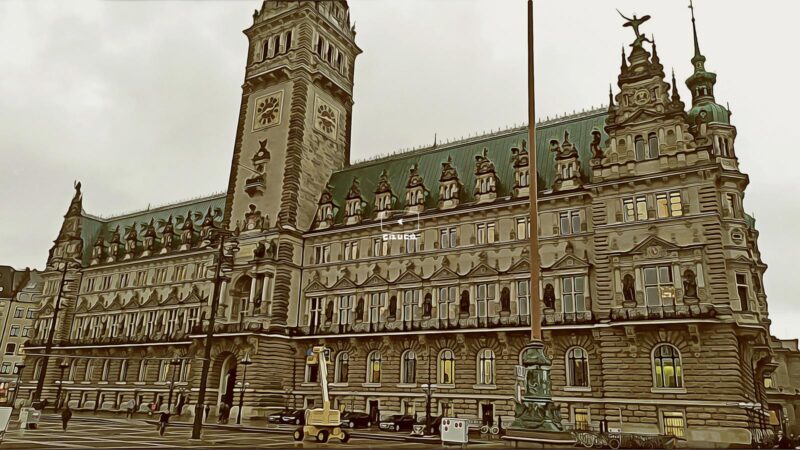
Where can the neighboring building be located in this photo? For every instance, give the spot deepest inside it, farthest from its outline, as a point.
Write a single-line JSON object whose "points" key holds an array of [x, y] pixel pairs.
{"points": [[783, 386], [19, 298], [654, 307]]}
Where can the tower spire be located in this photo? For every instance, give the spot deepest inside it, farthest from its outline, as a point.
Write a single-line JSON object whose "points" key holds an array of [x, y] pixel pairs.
{"points": [[698, 57]]}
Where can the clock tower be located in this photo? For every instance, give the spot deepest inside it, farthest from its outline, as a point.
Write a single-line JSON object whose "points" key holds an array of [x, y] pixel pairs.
{"points": [[295, 114]]}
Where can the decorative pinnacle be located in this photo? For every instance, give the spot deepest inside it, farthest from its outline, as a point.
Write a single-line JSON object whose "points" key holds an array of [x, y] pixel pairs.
{"points": [[610, 96], [697, 55], [624, 62]]}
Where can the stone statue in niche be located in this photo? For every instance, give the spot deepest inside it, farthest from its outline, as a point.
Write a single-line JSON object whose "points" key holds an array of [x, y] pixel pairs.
{"points": [[393, 307], [628, 288], [329, 312], [463, 303], [505, 300], [259, 251], [427, 305], [549, 296], [597, 151], [272, 249], [360, 310], [689, 284], [253, 219]]}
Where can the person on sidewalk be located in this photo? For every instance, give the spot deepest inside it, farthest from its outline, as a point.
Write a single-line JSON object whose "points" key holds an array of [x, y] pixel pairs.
{"points": [[207, 410], [66, 414], [163, 421], [130, 409]]}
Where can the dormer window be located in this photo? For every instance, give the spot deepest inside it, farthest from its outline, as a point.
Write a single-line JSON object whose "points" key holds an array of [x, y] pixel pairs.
{"points": [[383, 196], [449, 186], [523, 178], [485, 178], [415, 191]]}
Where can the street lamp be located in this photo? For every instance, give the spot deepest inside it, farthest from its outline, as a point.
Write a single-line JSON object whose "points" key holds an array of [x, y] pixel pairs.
{"points": [[245, 362], [16, 386], [224, 250], [62, 367], [174, 362], [64, 265], [428, 389]]}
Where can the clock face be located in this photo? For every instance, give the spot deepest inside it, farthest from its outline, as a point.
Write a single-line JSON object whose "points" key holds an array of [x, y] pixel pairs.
{"points": [[326, 118], [267, 110], [641, 97]]}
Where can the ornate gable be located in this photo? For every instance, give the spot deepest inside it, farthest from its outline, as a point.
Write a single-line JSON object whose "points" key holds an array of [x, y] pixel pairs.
{"points": [[374, 280], [482, 270], [443, 273], [98, 306], [408, 277], [653, 246], [82, 308], [344, 283], [171, 299], [521, 266], [569, 261], [115, 305], [194, 296], [316, 286], [152, 300]]}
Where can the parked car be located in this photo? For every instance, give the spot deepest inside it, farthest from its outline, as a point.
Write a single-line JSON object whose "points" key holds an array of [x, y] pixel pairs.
{"points": [[436, 423], [397, 422], [294, 417], [355, 419], [277, 417]]}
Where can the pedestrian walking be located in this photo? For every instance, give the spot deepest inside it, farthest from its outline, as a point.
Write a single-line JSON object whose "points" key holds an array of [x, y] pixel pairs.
{"points": [[130, 409], [207, 410], [179, 407], [163, 421], [66, 414]]}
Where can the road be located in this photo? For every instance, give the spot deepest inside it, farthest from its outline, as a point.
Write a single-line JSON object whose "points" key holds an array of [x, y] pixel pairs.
{"points": [[120, 434]]}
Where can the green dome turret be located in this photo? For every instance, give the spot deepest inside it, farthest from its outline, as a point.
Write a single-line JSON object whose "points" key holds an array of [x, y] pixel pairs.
{"points": [[701, 85]]}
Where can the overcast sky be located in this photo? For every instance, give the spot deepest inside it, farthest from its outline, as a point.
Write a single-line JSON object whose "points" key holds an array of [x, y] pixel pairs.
{"points": [[139, 100]]}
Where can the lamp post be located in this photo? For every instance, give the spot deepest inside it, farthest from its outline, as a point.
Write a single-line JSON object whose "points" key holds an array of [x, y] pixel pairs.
{"points": [[62, 367], [16, 386], [174, 362], [51, 333], [245, 362], [428, 389], [232, 248]]}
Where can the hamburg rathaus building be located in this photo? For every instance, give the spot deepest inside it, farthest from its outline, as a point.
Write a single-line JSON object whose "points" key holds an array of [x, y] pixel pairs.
{"points": [[654, 311]]}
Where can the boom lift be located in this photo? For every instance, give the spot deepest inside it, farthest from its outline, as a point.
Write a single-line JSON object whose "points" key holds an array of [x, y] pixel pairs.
{"points": [[322, 423]]}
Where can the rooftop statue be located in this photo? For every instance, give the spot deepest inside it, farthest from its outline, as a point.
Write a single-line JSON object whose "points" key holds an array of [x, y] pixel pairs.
{"points": [[635, 23]]}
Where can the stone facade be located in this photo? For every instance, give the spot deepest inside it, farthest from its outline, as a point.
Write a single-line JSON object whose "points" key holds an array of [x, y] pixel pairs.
{"points": [[19, 296], [414, 268]]}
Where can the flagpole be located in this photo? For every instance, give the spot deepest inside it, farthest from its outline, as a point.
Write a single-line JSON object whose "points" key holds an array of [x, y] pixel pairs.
{"points": [[533, 189]]}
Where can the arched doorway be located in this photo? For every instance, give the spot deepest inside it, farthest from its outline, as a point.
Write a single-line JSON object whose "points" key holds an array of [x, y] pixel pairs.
{"points": [[227, 380]]}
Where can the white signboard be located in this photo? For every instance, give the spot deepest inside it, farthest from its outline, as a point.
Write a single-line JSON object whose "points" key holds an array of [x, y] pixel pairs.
{"points": [[5, 416], [454, 430]]}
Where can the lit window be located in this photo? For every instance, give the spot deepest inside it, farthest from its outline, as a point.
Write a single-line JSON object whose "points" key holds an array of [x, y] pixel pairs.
{"points": [[577, 367], [668, 204], [769, 383], [408, 370], [658, 287], [581, 418], [447, 367], [674, 423], [486, 367], [374, 367], [667, 367]]}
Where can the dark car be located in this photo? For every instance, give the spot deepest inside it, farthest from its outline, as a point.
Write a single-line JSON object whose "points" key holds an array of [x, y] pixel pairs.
{"points": [[355, 419], [436, 423], [294, 417], [277, 417], [397, 422]]}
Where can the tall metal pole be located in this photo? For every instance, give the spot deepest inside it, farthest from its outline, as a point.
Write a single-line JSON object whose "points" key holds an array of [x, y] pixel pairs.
{"points": [[50, 335], [201, 395], [533, 189], [241, 395]]}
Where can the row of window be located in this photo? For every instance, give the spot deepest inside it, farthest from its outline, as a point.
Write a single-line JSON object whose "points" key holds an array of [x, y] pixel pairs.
{"points": [[667, 204], [168, 370], [19, 313], [15, 331], [667, 369], [673, 423], [327, 51], [139, 278], [276, 45], [485, 233], [130, 324]]}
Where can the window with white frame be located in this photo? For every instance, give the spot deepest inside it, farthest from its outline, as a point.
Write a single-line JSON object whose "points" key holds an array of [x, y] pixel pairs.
{"points": [[448, 238], [180, 273], [484, 295], [408, 369], [446, 367], [569, 222], [634, 208], [346, 309], [486, 362], [342, 367], [322, 254], [89, 370], [315, 311], [523, 297], [667, 368], [142, 370], [410, 301], [669, 204], [741, 290], [581, 418], [376, 302], [124, 279], [485, 233], [413, 245], [573, 296], [350, 250], [160, 275], [123, 371], [523, 228], [374, 367], [447, 297], [673, 423], [577, 367], [106, 369], [658, 287]]}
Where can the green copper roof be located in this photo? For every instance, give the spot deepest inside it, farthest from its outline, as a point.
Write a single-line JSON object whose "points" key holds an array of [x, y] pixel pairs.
{"points": [[92, 226], [498, 147], [750, 220], [715, 113]]}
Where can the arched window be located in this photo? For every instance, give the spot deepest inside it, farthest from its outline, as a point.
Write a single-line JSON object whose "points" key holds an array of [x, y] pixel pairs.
{"points": [[374, 367], [486, 367], [142, 370], [667, 371], [577, 367], [652, 145], [447, 367], [106, 368], [408, 368], [342, 369], [639, 146], [89, 370], [37, 368], [72, 366], [123, 370]]}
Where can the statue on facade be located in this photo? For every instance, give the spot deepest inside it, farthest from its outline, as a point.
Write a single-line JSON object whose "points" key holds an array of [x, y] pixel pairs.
{"points": [[635, 23], [259, 251], [628, 288], [360, 309], [549, 297], [597, 151], [149, 236], [253, 219], [505, 300], [463, 303], [689, 284], [187, 230], [393, 307], [427, 305], [167, 234], [329, 312], [115, 243]]}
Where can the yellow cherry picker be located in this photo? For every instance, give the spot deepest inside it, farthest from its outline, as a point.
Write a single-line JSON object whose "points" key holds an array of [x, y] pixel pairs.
{"points": [[322, 423]]}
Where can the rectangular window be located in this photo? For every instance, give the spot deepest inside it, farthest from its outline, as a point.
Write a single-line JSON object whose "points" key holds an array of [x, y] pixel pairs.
{"points": [[105, 283], [674, 423], [732, 205], [377, 247], [413, 245], [769, 383], [350, 251], [18, 313], [410, 301], [741, 290], [572, 290], [14, 330], [314, 311], [322, 254], [668, 204], [376, 302], [6, 367], [30, 314], [485, 233], [124, 279], [523, 228], [570, 222], [447, 297], [523, 297], [346, 309], [180, 273], [581, 416], [658, 287], [11, 348], [448, 238], [484, 294], [199, 271], [26, 332], [445, 408]]}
